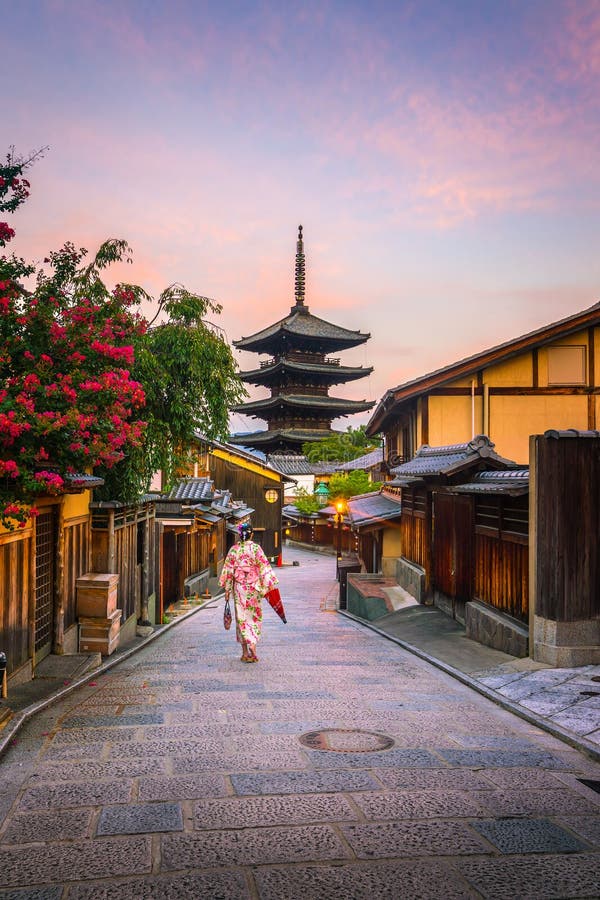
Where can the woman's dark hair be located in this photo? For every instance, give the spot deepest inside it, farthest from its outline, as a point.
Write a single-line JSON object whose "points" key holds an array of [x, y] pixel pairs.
{"points": [[245, 531]]}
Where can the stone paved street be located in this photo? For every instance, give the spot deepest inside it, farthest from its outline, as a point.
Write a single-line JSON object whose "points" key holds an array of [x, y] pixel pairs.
{"points": [[180, 773]]}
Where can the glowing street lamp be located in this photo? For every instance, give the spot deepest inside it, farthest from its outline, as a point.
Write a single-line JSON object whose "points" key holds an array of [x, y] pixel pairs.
{"points": [[340, 506]]}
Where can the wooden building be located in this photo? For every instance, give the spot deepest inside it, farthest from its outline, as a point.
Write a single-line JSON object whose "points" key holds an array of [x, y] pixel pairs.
{"points": [[482, 531], [549, 378], [192, 523], [249, 479], [298, 374], [39, 567], [464, 538]]}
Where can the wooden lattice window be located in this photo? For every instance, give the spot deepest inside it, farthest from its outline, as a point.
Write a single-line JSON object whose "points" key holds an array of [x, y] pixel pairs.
{"points": [[45, 549]]}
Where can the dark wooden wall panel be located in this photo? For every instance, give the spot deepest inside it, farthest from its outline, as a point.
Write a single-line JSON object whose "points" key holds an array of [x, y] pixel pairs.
{"points": [[413, 536], [453, 545], [568, 525], [250, 487], [502, 575]]}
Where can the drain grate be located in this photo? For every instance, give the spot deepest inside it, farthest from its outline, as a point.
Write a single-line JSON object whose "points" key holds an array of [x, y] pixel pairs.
{"points": [[346, 740], [594, 785]]}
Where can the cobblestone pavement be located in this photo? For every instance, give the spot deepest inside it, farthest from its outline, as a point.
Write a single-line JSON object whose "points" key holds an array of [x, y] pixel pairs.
{"points": [[180, 773]]}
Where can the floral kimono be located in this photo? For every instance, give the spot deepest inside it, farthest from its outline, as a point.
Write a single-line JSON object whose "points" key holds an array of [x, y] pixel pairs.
{"points": [[247, 575]]}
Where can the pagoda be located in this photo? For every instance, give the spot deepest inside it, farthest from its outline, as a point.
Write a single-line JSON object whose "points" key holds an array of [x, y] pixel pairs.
{"points": [[298, 374]]}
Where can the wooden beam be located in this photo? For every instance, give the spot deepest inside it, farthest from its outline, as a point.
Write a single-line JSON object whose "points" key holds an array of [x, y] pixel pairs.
{"points": [[425, 419]]}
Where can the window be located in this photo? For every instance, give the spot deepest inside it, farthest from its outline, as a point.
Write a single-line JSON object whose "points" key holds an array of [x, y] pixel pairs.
{"points": [[566, 365]]}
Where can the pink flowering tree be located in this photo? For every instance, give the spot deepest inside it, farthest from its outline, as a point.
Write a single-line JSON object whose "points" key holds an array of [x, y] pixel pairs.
{"points": [[68, 402], [87, 384]]}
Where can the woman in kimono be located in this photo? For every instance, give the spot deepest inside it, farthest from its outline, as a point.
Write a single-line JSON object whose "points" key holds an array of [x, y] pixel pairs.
{"points": [[247, 576]]}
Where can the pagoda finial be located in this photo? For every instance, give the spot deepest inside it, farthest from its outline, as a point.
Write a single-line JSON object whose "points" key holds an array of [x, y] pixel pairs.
{"points": [[300, 271]]}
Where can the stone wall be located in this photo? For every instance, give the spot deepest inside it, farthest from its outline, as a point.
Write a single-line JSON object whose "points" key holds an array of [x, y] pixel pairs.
{"points": [[484, 624]]}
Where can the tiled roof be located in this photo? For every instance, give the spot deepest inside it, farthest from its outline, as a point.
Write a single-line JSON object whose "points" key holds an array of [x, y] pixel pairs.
{"points": [[307, 401], [570, 433], [368, 509], [325, 467], [290, 464], [333, 374], [448, 460], [83, 481], [294, 435], [222, 502], [194, 489], [514, 482], [303, 324], [367, 461]]}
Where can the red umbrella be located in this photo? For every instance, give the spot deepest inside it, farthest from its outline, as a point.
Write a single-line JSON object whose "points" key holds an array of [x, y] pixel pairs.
{"points": [[274, 598]]}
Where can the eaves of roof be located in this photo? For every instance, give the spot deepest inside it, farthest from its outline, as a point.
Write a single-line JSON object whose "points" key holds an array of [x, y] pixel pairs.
{"points": [[306, 401], [464, 367], [197, 489], [298, 435], [244, 455], [511, 482], [304, 325], [443, 462], [290, 464], [365, 510], [334, 374], [366, 461], [77, 482]]}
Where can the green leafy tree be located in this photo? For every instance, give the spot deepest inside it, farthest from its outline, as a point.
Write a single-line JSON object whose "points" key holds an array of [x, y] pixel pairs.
{"points": [[356, 482], [306, 503], [190, 380], [341, 446]]}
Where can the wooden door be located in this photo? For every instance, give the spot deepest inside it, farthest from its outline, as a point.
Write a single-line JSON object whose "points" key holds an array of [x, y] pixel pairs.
{"points": [[169, 569], [453, 545], [45, 583]]}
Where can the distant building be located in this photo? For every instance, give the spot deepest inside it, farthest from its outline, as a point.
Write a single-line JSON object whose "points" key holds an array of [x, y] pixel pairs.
{"points": [[299, 375]]}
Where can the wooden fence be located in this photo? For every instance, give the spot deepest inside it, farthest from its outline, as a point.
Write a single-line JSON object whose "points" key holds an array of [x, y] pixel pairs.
{"points": [[123, 543], [16, 598]]}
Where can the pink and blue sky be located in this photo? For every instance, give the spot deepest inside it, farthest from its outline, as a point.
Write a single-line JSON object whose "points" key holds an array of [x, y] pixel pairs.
{"points": [[443, 157]]}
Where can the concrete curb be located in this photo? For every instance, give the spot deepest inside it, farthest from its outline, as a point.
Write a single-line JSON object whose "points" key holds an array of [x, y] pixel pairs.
{"points": [[562, 734], [15, 724]]}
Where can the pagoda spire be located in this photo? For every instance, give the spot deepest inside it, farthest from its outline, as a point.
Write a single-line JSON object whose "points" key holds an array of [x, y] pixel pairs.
{"points": [[300, 275]]}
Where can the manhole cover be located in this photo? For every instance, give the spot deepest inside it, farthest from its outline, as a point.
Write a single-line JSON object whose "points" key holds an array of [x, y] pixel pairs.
{"points": [[346, 740]]}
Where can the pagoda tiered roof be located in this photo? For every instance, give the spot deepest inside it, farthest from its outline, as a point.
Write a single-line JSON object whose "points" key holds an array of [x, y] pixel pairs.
{"points": [[326, 371], [281, 438], [302, 330], [320, 403]]}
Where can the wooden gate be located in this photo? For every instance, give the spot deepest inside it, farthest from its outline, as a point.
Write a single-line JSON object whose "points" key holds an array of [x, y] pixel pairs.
{"points": [[453, 546], [45, 583]]}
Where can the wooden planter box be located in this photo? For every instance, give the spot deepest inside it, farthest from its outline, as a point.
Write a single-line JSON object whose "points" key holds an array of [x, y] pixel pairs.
{"points": [[96, 594], [99, 635]]}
